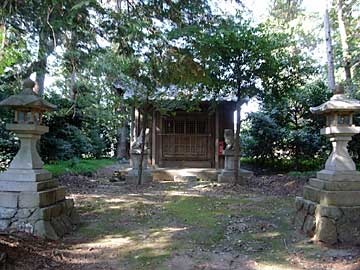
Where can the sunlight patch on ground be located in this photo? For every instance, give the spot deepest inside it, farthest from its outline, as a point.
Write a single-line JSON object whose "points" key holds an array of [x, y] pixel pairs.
{"points": [[87, 196], [168, 230], [181, 193], [261, 266], [268, 235], [118, 200], [109, 241]]}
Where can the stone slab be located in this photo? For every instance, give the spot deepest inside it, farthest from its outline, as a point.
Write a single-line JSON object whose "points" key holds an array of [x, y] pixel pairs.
{"points": [[336, 198], [9, 199], [37, 199], [326, 231], [133, 180], [45, 229], [35, 175], [228, 176], [24, 213], [168, 174], [7, 213], [185, 178], [28, 128], [335, 185], [338, 175], [332, 212], [4, 224], [135, 172], [60, 194], [19, 186], [47, 213]]}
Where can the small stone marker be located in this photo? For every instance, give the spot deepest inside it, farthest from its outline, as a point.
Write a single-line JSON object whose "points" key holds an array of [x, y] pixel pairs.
{"points": [[30, 200], [330, 206]]}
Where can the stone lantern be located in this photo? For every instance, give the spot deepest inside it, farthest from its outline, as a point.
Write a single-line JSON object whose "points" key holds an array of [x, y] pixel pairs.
{"points": [[30, 200], [27, 125], [330, 206]]}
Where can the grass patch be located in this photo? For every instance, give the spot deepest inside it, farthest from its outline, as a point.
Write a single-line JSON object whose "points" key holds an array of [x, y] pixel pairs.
{"points": [[197, 211], [149, 258], [207, 216], [78, 166]]}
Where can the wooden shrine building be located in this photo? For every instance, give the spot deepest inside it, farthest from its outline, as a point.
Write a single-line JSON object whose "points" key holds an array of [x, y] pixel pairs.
{"points": [[188, 139]]}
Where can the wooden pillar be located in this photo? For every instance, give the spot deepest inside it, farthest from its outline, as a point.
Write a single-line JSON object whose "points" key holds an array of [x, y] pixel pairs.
{"points": [[153, 140], [217, 138]]}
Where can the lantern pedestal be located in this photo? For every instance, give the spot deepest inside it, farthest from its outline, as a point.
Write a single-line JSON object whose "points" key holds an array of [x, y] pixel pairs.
{"points": [[330, 207], [227, 174], [30, 200]]}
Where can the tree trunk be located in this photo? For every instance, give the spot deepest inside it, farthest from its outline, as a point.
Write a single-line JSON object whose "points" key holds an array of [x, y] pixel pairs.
{"points": [[3, 36], [40, 76], [42, 59], [237, 143], [122, 134], [74, 90], [330, 56], [144, 125], [344, 44]]}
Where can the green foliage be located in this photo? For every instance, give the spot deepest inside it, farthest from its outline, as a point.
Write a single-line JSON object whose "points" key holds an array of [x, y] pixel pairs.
{"points": [[78, 166], [302, 174], [286, 129], [236, 58], [262, 138], [84, 135], [284, 165], [9, 145]]}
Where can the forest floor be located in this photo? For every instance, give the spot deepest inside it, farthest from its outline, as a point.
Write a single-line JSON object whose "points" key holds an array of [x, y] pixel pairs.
{"points": [[180, 225]]}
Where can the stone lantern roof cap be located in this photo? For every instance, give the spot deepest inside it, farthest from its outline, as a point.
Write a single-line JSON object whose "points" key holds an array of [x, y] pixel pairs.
{"points": [[338, 102], [27, 98]]}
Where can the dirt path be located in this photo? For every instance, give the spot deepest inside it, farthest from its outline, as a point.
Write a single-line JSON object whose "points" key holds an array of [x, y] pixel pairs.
{"points": [[187, 226]]}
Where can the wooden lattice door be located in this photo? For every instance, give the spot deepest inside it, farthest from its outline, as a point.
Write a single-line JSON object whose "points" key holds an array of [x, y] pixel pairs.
{"points": [[185, 138]]}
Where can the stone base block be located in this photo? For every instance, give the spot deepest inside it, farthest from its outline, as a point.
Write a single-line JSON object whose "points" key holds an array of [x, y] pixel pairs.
{"points": [[43, 213], [329, 224], [134, 179], [25, 175], [328, 175], [332, 197], [41, 198], [27, 186], [334, 185], [228, 176], [50, 222]]}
